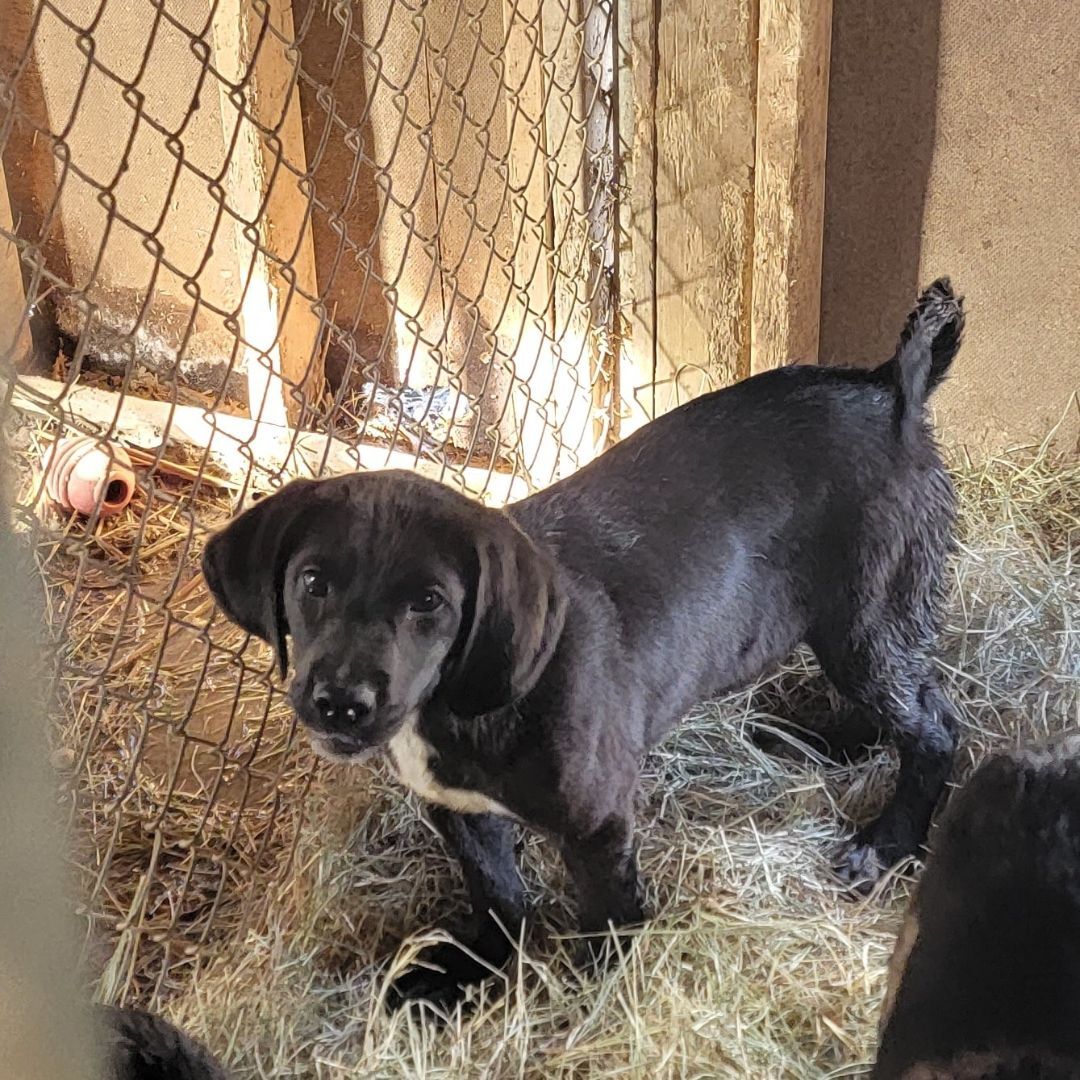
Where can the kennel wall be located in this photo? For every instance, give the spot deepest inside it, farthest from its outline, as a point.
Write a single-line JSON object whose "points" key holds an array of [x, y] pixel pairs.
{"points": [[953, 137]]}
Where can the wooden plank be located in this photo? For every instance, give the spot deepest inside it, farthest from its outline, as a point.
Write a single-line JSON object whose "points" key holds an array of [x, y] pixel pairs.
{"points": [[523, 77], [16, 345], [400, 130], [598, 77], [279, 327], [466, 56], [624, 106], [692, 195], [529, 324], [289, 234], [348, 264], [789, 180], [639, 360], [565, 390], [229, 442]]}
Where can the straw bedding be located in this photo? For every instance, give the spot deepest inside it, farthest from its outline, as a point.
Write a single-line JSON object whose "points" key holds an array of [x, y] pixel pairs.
{"points": [[257, 898]]}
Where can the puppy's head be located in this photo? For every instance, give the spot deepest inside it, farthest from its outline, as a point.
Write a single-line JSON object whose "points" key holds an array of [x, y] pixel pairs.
{"points": [[395, 590]]}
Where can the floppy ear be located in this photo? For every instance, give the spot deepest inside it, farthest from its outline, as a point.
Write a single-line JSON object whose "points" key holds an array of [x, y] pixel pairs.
{"points": [[243, 565], [517, 617]]}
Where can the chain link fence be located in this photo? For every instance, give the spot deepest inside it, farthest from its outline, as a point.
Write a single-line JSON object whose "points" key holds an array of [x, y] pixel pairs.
{"points": [[254, 240]]}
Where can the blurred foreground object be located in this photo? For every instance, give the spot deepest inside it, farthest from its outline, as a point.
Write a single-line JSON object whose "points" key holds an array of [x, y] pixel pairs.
{"points": [[985, 979], [43, 1035]]}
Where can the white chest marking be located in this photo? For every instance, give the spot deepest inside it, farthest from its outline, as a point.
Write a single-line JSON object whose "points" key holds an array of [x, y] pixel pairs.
{"points": [[409, 756]]}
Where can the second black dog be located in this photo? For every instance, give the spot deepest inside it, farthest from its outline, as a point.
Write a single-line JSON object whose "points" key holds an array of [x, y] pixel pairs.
{"points": [[985, 979]]}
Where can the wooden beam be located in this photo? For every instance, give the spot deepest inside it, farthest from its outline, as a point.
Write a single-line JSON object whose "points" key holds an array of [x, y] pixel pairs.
{"points": [[789, 180], [278, 325], [692, 201], [530, 315], [16, 345], [245, 450], [400, 124], [601, 196], [564, 390], [639, 356]]}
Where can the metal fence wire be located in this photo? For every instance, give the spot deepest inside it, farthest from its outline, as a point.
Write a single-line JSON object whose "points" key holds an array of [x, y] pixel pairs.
{"points": [[257, 240]]}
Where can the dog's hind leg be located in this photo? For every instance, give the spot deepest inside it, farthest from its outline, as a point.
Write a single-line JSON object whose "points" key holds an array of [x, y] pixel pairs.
{"points": [[875, 636], [484, 846], [924, 733], [905, 702]]}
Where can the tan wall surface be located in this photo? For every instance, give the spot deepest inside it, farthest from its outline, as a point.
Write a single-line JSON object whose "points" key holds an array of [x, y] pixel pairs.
{"points": [[108, 165], [954, 145], [107, 261]]}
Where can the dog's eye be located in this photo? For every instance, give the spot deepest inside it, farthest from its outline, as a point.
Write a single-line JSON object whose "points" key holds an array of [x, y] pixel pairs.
{"points": [[314, 583], [426, 602]]}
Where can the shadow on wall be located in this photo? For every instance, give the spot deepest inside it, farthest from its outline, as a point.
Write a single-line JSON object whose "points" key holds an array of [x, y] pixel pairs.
{"points": [[882, 104]]}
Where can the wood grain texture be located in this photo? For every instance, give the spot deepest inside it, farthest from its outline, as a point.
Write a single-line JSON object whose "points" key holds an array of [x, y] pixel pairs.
{"points": [[270, 210], [227, 443], [16, 346], [789, 180], [692, 201], [567, 52]]}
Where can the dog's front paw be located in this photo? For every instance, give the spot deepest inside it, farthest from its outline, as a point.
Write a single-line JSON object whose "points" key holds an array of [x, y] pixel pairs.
{"points": [[439, 977]]}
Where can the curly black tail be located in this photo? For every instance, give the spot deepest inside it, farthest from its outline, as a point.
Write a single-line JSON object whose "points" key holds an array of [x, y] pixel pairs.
{"points": [[930, 339]]}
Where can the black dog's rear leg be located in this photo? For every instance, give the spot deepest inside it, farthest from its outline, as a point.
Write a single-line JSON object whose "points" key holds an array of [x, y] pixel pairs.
{"points": [[922, 728], [484, 846], [603, 867]]}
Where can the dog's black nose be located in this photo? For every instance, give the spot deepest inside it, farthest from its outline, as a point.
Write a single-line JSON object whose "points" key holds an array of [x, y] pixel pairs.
{"points": [[342, 705]]}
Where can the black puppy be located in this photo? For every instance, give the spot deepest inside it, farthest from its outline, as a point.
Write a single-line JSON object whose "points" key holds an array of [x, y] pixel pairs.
{"points": [[985, 980], [517, 664]]}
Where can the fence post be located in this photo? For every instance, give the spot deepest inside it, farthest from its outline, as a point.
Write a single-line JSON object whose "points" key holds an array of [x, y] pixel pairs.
{"points": [[277, 323], [16, 345], [789, 180], [692, 201]]}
